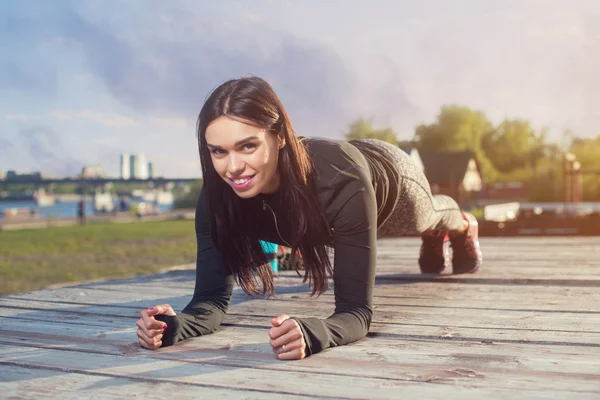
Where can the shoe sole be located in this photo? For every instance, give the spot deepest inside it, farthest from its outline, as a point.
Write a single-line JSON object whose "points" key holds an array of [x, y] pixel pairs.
{"points": [[471, 271], [437, 272]]}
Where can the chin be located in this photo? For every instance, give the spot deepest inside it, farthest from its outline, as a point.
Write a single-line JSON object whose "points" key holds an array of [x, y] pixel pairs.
{"points": [[246, 194]]}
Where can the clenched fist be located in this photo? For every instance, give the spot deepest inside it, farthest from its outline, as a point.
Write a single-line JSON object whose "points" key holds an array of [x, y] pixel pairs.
{"points": [[150, 331], [287, 339]]}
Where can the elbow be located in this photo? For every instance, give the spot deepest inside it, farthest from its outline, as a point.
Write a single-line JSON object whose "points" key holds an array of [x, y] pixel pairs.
{"points": [[365, 316]]}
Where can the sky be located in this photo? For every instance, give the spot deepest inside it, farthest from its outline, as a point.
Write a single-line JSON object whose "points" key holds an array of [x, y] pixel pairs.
{"points": [[83, 81]]}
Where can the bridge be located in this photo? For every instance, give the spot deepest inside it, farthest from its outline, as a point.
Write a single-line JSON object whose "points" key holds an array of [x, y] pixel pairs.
{"points": [[94, 184], [94, 181]]}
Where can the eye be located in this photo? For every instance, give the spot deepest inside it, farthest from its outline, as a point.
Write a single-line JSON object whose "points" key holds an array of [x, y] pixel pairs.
{"points": [[217, 152], [249, 146]]}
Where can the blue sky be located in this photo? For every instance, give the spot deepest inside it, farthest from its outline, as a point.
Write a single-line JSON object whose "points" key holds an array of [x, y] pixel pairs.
{"points": [[83, 81]]}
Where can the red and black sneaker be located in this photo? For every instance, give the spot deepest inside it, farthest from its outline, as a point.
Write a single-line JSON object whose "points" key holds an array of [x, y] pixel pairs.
{"points": [[434, 252], [466, 252]]}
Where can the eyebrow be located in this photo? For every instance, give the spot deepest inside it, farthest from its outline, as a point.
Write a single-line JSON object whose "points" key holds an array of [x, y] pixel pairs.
{"points": [[238, 143]]}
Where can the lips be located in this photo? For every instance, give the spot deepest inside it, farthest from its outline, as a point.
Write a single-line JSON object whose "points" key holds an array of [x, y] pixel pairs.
{"points": [[241, 182]]}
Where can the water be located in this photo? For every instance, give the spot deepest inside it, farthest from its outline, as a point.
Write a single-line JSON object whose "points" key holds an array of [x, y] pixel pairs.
{"points": [[61, 209]]}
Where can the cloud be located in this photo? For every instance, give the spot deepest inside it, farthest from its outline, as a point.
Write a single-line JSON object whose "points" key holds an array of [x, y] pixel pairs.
{"points": [[254, 17], [6, 146], [20, 70], [47, 151], [166, 72], [108, 119], [22, 117]]}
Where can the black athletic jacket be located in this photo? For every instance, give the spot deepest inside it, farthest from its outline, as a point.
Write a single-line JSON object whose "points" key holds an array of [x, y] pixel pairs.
{"points": [[357, 189]]}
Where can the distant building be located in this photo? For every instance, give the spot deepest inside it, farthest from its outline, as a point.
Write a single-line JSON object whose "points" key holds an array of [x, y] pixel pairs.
{"points": [[15, 177], [136, 166], [456, 174], [140, 167], [2, 175], [132, 166], [125, 171], [93, 171]]}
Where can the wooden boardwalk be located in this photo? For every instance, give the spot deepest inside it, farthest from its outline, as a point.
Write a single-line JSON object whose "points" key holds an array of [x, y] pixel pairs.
{"points": [[527, 326]]}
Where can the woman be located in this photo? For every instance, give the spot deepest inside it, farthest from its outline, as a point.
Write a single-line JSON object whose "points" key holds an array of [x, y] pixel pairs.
{"points": [[262, 182]]}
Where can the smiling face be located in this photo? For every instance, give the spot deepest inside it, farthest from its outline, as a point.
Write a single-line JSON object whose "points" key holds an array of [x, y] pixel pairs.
{"points": [[244, 155]]}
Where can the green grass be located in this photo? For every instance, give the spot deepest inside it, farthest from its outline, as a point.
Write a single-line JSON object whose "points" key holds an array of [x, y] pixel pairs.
{"points": [[37, 258]]}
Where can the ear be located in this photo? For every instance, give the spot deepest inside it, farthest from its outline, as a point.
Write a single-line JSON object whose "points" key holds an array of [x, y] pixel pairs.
{"points": [[281, 140]]}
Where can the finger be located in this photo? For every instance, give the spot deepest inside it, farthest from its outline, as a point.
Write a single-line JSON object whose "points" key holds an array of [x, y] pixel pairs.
{"points": [[278, 328], [277, 321], [292, 355], [149, 343], [150, 332], [161, 309], [149, 339], [290, 346], [151, 323], [293, 334], [150, 346], [295, 350]]}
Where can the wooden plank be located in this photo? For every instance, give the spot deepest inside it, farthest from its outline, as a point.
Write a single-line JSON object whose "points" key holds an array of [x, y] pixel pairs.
{"points": [[38, 383], [510, 243], [419, 352], [409, 318], [397, 379], [501, 333], [429, 292], [396, 330]]}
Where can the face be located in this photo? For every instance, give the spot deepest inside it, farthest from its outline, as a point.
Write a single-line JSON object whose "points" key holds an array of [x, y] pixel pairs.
{"points": [[244, 155]]}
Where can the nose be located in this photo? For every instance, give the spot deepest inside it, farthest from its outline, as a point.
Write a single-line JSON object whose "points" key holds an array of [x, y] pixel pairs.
{"points": [[236, 165]]}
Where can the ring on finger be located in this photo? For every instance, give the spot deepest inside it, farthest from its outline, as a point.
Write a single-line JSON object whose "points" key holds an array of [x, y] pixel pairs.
{"points": [[283, 348]]}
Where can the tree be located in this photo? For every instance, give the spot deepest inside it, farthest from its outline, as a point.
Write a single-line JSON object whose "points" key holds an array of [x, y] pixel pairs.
{"points": [[457, 128], [587, 152], [363, 129], [190, 199], [513, 144]]}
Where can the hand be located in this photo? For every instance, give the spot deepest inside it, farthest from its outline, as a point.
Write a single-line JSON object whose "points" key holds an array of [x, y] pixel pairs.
{"points": [[150, 331], [286, 332]]}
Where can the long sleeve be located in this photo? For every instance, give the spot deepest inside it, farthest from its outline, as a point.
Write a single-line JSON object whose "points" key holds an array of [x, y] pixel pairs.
{"points": [[355, 241], [213, 288]]}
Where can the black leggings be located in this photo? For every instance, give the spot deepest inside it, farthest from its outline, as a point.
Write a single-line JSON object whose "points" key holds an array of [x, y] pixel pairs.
{"points": [[417, 209]]}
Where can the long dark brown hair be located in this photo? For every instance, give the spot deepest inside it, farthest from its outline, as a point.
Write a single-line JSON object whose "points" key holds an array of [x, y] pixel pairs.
{"points": [[253, 99]]}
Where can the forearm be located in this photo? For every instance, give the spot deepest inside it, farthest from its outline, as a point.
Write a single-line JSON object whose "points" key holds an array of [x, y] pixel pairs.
{"points": [[339, 329], [188, 324], [202, 316], [355, 238]]}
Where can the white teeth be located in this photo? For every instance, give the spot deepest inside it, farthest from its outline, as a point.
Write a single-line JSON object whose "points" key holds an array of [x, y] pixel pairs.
{"points": [[240, 181]]}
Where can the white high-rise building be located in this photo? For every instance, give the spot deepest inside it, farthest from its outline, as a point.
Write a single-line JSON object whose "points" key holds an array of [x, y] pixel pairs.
{"points": [[125, 166], [140, 167], [136, 166], [132, 166]]}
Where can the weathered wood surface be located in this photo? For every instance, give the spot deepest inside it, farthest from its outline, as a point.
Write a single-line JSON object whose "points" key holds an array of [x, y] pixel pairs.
{"points": [[526, 326]]}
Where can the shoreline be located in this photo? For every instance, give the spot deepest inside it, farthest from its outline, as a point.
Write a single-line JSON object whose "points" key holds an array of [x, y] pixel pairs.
{"points": [[125, 217]]}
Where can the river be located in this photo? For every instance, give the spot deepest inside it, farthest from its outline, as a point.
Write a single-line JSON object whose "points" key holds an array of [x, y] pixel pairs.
{"points": [[59, 209]]}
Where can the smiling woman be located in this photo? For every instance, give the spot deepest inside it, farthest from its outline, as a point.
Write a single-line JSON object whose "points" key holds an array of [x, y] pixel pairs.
{"points": [[264, 183], [245, 155]]}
